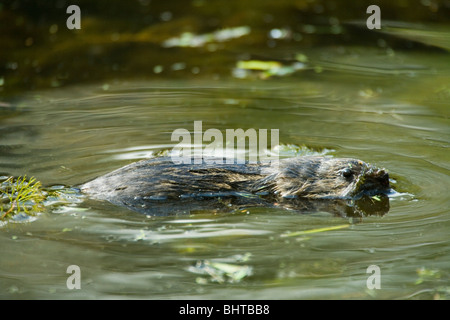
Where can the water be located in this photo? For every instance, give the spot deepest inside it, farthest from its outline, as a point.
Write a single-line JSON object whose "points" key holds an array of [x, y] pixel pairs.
{"points": [[396, 117]]}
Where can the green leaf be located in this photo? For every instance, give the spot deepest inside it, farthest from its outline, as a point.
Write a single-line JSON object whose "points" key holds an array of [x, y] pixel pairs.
{"points": [[258, 65]]}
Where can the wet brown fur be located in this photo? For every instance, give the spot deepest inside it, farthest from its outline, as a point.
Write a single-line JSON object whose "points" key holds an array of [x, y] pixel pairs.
{"points": [[301, 177]]}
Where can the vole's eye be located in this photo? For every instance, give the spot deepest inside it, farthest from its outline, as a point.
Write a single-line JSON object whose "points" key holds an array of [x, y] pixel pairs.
{"points": [[347, 173]]}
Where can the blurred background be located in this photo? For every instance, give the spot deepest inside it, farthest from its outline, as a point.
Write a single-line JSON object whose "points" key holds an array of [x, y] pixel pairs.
{"points": [[151, 39]]}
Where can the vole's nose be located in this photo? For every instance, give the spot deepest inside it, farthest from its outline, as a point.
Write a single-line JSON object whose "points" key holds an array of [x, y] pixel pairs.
{"points": [[383, 178]]}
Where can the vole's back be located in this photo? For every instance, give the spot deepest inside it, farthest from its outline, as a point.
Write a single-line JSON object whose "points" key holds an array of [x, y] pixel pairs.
{"points": [[161, 178], [148, 182]]}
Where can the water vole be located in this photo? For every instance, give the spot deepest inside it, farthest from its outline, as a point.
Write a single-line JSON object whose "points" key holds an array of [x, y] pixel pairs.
{"points": [[159, 179]]}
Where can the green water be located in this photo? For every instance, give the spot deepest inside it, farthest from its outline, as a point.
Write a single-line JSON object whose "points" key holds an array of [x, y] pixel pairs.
{"points": [[125, 254], [386, 107]]}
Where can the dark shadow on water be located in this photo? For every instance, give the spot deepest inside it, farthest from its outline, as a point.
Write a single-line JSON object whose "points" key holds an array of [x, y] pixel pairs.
{"points": [[365, 206]]}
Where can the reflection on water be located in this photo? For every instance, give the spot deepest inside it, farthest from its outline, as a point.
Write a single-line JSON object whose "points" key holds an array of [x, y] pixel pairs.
{"points": [[229, 203]]}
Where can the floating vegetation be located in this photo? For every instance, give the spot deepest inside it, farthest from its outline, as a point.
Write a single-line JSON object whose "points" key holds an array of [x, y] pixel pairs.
{"points": [[265, 69], [426, 274], [20, 195], [259, 65], [22, 198], [300, 233], [220, 272]]}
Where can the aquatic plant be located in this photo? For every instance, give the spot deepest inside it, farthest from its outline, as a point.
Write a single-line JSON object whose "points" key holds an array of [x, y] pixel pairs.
{"points": [[20, 195]]}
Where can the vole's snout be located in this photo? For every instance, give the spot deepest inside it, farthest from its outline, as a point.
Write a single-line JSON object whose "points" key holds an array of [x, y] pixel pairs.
{"points": [[384, 178], [381, 176], [378, 177]]}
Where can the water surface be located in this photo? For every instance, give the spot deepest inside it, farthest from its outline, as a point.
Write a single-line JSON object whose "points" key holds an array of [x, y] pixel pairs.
{"points": [[68, 136]]}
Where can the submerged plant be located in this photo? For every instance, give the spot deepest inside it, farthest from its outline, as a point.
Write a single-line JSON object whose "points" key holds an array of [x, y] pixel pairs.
{"points": [[20, 195]]}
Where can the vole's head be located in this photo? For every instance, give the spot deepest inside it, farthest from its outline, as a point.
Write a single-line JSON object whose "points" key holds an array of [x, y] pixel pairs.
{"points": [[321, 177]]}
